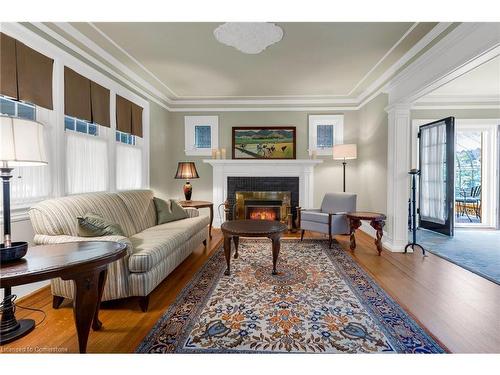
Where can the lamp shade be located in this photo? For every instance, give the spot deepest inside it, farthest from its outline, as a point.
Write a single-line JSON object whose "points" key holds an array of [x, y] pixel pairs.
{"points": [[186, 170], [345, 152], [22, 142]]}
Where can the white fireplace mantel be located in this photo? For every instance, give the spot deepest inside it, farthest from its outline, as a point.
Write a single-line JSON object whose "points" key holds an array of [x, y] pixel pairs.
{"points": [[224, 168]]}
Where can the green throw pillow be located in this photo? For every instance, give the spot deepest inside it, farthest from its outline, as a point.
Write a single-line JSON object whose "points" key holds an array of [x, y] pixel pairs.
{"points": [[167, 211], [92, 225]]}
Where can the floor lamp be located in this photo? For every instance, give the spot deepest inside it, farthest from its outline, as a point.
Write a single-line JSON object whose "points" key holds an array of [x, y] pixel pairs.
{"points": [[21, 144], [345, 152]]}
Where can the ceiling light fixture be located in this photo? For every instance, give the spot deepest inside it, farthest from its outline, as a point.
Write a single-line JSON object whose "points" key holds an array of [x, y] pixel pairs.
{"points": [[248, 37]]}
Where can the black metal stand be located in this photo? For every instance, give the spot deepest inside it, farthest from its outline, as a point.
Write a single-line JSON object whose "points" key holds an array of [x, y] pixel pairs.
{"points": [[343, 166], [10, 328], [413, 244]]}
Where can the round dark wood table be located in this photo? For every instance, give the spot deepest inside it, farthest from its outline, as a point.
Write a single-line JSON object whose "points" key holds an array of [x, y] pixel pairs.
{"points": [[86, 263], [251, 228], [377, 222]]}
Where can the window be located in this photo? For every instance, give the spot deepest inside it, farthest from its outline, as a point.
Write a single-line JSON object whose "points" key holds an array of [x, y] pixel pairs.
{"points": [[80, 126], [14, 108], [86, 156], [324, 132], [201, 134], [128, 167], [28, 184], [126, 138]]}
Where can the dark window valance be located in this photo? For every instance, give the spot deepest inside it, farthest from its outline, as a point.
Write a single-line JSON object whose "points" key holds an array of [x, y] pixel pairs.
{"points": [[85, 99], [77, 95], [128, 116], [27, 74]]}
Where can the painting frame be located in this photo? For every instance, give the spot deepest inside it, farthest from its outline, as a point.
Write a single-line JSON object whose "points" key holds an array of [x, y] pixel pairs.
{"points": [[246, 154]]}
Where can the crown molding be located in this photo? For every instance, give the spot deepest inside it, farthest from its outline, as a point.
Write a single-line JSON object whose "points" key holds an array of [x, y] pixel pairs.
{"points": [[312, 103], [459, 99]]}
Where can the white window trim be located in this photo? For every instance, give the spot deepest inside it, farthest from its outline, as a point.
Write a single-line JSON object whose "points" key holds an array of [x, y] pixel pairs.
{"points": [[314, 120], [190, 122], [57, 140]]}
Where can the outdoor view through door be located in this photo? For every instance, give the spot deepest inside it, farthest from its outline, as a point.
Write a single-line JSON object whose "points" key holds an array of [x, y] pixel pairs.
{"points": [[436, 159], [468, 177]]}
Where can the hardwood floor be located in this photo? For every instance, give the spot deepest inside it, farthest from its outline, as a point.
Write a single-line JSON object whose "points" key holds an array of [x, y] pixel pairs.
{"points": [[459, 308]]}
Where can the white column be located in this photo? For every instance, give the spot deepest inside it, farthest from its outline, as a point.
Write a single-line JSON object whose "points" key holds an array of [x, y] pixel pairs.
{"points": [[398, 165]]}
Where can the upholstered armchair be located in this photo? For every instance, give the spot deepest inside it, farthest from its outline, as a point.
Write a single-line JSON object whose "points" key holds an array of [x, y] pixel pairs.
{"points": [[331, 217]]}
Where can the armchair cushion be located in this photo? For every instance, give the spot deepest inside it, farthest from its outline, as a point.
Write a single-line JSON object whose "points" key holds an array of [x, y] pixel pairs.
{"points": [[316, 216]]}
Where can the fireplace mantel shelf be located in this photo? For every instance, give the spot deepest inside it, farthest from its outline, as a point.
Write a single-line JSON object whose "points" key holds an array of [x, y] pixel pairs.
{"points": [[303, 162]]}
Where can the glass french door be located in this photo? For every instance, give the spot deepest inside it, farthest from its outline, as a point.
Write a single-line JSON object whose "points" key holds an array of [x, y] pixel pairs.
{"points": [[437, 175]]}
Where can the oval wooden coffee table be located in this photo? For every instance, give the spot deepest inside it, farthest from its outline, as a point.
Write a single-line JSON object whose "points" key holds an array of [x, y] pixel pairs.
{"points": [[251, 228], [377, 221], [86, 263]]}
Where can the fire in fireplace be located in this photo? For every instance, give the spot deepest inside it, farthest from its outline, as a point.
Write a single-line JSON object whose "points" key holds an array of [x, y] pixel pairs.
{"points": [[264, 205]]}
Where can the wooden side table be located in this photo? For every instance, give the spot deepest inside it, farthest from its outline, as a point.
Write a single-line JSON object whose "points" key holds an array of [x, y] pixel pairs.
{"points": [[201, 204], [86, 263], [377, 221]]}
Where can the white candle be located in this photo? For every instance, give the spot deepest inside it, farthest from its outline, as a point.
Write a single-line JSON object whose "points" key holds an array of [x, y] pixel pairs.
{"points": [[217, 154], [223, 153], [214, 153]]}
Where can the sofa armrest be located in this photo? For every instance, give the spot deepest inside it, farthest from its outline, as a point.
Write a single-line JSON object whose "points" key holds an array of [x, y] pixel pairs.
{"points": [[43, 239], [192, 212]]}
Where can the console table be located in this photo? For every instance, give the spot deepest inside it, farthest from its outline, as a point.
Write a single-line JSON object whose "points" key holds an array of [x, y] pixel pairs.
{"points": [[377, 221], [86, 263]]}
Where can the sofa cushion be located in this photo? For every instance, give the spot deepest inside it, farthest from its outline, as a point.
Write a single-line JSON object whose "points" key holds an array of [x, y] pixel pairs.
{"points": [[153, 247], [169, 210], [317, 217], [141, 207], [59, 216], [189, 226], [96, 226]]}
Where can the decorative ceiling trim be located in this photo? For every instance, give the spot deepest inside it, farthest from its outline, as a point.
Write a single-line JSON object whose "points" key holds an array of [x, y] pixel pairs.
{"points": [[328, 99], [289, 103], [122, 50], [248, 37]]}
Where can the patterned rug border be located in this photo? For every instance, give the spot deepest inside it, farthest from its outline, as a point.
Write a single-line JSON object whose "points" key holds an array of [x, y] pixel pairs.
{"points": [[217, 262]]}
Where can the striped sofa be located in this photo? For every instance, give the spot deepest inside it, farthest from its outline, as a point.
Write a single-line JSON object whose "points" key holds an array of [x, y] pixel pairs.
{"points": [[153, 251]]}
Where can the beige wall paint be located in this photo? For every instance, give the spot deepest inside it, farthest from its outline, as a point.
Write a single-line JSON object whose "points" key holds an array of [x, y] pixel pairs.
{"points": [[160, 156], [365, 176]]}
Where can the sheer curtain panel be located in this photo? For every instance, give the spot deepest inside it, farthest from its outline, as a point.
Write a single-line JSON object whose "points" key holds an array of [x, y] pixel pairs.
{"points": [[433, 180], [128, 167], [86, 163]]}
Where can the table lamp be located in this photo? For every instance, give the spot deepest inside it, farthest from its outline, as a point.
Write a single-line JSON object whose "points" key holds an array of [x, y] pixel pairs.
{"points": [[186, 170], [21, 144], [345, 152]]}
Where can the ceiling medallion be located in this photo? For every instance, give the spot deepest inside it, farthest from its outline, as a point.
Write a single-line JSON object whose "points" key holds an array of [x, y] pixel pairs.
{"points": [[248, 37]]}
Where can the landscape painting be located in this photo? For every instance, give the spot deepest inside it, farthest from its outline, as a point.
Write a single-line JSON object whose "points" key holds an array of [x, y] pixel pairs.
{"points": [[276, 142]]}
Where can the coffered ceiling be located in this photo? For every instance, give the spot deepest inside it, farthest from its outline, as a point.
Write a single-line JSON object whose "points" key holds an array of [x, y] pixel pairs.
{"points": [[184, 63]]}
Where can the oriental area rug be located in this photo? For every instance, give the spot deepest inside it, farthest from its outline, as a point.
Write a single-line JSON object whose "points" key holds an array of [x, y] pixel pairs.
{"points": [[321, 301]]}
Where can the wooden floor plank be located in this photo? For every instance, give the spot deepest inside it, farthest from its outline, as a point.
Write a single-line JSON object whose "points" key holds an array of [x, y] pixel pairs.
{"points": [[459, 308]]}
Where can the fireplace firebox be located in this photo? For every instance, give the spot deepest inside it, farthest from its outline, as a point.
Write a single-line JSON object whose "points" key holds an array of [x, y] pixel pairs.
{"points": [[264, 205]]}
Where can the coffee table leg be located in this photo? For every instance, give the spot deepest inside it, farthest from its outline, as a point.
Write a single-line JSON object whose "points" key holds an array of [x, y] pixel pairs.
{"points": [[227, 254], [236, 240], [85, 304], [276, 251]]}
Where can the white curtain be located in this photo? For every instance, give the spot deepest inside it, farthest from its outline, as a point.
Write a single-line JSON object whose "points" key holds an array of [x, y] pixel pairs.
{"points": [[29, 184], [128, 167], [433, 174], [86, 163]]}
